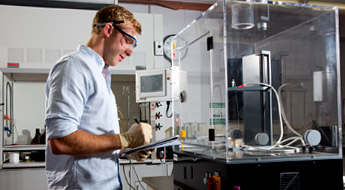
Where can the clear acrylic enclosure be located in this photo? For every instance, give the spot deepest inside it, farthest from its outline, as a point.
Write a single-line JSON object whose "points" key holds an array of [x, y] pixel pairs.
{"points": [[260, 82]]}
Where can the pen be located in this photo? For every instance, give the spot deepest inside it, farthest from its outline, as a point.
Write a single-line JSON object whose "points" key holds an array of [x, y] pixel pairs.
{"points": [[136, 120]]}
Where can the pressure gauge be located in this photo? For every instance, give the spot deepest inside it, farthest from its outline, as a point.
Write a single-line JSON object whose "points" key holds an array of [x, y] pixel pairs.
{"points": [[169, 43], [167, 47]]}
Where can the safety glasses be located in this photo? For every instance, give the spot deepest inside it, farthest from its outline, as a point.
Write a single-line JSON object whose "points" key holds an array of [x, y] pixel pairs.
{"points": [[129, 38]]}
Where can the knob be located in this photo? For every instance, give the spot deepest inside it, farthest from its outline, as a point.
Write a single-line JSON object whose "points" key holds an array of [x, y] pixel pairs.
{"points": [[158, 115], [262, 139], [159, 126], [158, 104], [235, 134], [312, 137]]}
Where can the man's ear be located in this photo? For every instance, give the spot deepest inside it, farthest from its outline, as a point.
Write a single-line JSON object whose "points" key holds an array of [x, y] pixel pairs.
{"points": [[108, 30]]}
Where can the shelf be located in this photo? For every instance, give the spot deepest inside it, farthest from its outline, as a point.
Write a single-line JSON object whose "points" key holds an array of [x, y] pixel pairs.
{"points": [[13, 148], [24, 165], [256, 88], [25, 70], [113, 71]]}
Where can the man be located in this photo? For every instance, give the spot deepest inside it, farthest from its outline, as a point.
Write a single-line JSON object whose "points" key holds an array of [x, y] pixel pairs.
{"points": [[84, 143]]}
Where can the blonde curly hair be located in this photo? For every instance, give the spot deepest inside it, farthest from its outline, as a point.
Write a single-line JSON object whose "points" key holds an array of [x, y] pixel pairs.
{"points": [[113, 13]]}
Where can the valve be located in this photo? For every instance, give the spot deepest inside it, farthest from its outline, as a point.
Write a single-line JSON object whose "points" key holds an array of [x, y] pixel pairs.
{"points": [[158, 104], [158, 115], [159, 126]]}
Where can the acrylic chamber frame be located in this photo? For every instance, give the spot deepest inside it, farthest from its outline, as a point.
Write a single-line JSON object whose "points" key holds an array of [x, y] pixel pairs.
{"points": [[261, 82]]}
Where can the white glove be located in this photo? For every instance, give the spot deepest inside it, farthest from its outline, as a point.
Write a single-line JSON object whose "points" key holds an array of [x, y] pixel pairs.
{"points": [[137, 135], [140, 156]]}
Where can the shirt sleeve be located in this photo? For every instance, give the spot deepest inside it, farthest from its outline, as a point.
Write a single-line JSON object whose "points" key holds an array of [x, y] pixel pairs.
{"points": [[66, 95]]}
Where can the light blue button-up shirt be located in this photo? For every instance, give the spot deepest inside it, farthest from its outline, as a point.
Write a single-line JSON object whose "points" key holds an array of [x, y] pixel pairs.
{"points": [[78, 97]]}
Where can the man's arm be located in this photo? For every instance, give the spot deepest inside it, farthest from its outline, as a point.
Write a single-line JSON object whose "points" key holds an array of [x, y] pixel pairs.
{"points": [[83, 143]]}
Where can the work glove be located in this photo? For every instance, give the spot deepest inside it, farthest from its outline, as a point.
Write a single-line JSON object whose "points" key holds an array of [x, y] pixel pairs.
{"points": [[141, 155], [137, 135]]}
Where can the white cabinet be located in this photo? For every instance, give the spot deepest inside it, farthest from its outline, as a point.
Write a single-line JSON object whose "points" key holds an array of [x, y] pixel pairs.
{"points": [[35, 178], [132, 174], [36, 37]]}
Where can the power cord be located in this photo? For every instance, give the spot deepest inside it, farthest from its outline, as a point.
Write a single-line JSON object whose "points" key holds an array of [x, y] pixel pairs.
{"points": [[166, 112]]}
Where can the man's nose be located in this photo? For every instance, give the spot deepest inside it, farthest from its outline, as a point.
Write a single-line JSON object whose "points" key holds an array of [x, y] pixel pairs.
{"points": [[129, 51]]}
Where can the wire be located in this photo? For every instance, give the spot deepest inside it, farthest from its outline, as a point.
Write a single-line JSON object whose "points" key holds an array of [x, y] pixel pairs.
{"points": [[283, 112], [162, 161], [166, 112], [124, 123], [280, 113], [130, 161], [294, 139], [124, 171]]}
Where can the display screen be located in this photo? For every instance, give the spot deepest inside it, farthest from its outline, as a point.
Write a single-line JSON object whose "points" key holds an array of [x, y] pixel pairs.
{"points": [[151, 83]]}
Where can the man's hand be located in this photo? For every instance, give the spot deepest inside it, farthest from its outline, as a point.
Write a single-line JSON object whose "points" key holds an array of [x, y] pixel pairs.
{"points": [[140, 156], [137, 135]]}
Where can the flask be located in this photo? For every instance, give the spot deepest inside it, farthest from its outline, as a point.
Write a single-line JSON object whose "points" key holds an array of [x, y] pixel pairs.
{"points": [[35, 139]]}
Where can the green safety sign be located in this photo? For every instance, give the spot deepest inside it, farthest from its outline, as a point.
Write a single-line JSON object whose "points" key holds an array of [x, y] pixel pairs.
{"points": [[218, 113]]}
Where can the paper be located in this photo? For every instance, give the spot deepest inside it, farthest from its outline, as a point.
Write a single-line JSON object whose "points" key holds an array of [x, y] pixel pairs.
{"points": [[171, 141]]}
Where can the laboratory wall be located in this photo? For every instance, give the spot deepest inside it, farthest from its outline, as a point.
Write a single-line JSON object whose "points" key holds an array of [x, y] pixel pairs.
{"points": [[173, 22], [36, 37]]}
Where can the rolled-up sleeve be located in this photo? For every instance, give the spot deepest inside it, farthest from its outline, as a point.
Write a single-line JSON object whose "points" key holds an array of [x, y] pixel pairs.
{"points": [[66, 95]]}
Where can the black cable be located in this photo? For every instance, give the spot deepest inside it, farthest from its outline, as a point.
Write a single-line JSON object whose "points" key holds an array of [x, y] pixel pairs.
{"points": [[162, 161], [166, 113]]}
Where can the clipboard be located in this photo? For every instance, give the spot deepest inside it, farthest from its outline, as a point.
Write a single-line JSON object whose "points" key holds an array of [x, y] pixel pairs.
{"points": [[170, 141]]}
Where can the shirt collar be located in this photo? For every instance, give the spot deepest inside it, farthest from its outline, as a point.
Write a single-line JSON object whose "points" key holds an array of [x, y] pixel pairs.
{"points": [[99, 60]]}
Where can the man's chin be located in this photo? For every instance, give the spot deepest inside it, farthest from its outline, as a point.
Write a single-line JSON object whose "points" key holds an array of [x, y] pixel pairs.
{"points": [[113, 64]]}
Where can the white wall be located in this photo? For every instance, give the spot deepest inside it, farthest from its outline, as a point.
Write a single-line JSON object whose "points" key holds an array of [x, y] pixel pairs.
{"points": [[173, 21], [36, 37]]}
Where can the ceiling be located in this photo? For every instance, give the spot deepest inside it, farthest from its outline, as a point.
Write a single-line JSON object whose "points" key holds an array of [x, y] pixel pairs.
{"points": [[202, 5]]}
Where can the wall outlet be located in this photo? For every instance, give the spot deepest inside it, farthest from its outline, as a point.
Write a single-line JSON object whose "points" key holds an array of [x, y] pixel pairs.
{"points": [[158, 48]]}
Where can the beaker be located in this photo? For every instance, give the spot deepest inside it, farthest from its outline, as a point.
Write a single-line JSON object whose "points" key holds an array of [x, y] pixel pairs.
{"points": [[242, 16]]}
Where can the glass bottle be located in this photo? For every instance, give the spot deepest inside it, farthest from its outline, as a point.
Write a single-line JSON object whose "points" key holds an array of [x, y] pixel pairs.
{"points": [[35, 139]]}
